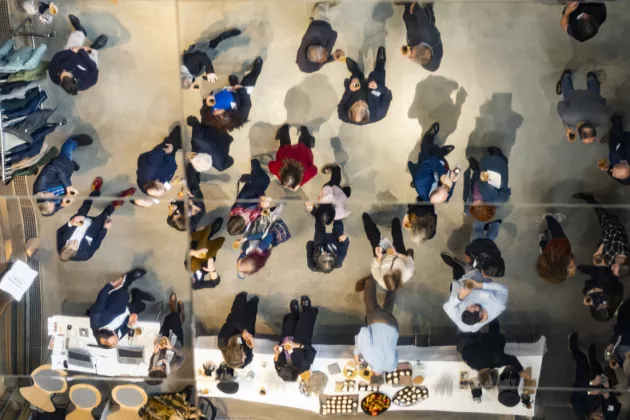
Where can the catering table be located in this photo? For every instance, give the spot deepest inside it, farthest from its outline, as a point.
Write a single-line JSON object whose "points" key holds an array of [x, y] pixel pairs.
{"points": [[435, 363], [80, 337]]}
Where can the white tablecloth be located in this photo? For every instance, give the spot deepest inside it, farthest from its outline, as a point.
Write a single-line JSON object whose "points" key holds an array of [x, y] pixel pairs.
{"points": [[106, 360], [435, 361]]}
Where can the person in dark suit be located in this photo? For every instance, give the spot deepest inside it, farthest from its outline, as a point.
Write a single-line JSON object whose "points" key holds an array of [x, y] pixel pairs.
{"points": [[81, 237], [617, 166], [327, 250], [424, 42], [318, 42], [582, 20], [210, 147], [113, 316], [365, 101], [53, 186], [294, 353], [488, 185], [228, 109], [157, 167], [236, 337], [598, 403], [603, 293], [487, 350]]}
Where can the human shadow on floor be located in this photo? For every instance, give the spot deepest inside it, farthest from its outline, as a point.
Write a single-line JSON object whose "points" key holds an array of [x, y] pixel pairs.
{"points": [[262, 139], [374, 32], [312, 102], [433, 102], [92, 156], [496, 126], [97, 23], [386, 208]]}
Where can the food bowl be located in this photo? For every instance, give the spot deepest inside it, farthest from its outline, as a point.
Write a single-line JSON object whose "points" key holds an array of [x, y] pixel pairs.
{"points": [[375, 404]]}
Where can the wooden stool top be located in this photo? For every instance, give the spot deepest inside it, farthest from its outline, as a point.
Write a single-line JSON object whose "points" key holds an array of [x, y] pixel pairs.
{"points": [[129, 396]]}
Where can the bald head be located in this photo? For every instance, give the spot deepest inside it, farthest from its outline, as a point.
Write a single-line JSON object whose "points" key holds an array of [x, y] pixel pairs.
{"points": [[621, 171]]}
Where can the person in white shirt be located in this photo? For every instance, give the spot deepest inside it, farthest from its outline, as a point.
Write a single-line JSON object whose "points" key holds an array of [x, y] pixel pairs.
{"points": [[393, 264], [473, 304], [332, 200]]}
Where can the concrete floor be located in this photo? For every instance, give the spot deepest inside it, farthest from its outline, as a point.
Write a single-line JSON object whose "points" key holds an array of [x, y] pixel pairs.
{"points": [[495, 86]]}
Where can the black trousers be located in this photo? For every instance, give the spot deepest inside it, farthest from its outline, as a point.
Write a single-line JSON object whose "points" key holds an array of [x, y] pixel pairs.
{"points": [[300, 325], [87, 205], [172, 322], [586, 369], [600, 211], [250, 78], [137, 305], [555, 231], [249, 311], [305, 137], [335, 180], [374, 234]]}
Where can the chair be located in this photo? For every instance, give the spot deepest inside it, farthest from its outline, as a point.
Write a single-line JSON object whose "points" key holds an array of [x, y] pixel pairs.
{"points": [[85, 397], [46, 382], [130, 398]]}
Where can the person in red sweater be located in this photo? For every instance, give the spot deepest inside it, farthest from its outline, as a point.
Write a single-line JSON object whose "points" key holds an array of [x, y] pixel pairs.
{"points": [[294, 162]]}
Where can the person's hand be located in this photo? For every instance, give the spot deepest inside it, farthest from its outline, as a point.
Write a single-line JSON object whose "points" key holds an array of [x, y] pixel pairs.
{"points": [[236, 87], [357, 360], [77, 220], [71, 191], [248, 339], [212, 77], [413, 7], [372, 85], [168, 148], [87, 49], [133, 319], [525, 375], [343, 237], [597, 381], [463, 293], [168, 344], [355, 84], [453, 176], [603, 165], [379, 252], [309, 206], [108, 224], [476, 284], [75, 49], [339, 55], [571, 7], [277, 349], [264, 201], [117, 283]]}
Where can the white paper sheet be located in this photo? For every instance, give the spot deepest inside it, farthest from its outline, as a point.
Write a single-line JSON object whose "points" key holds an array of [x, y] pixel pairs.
{"points": [[18, 279]]}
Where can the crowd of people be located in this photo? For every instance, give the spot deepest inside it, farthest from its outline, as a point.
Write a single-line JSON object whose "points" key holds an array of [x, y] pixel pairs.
{"points": [[476, 298]]}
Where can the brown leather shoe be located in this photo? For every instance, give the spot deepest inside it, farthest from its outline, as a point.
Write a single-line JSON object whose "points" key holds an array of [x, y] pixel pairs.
{"points": [[172, 302]]}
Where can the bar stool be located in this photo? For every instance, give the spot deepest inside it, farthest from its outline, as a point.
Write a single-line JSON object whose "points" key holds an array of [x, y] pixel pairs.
{"points": [[130, 398], [85, 397], [46, 382]]}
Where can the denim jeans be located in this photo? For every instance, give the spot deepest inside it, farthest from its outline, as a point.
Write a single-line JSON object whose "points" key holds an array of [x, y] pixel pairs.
{"points": [[592, 84], [478, 230], [68, 147]]}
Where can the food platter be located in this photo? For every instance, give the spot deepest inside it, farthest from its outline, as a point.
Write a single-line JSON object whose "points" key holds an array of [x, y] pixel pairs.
{"points": [[410, 395], [375, 404]]}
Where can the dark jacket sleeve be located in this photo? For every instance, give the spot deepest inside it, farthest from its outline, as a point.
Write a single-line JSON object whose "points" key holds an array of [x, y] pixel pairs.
{"points": [[63, 234], [623, 322], [96, 242], [197, 62], [243, 104], [379, 105], [310, 262], [303, 358], [249, 356], [344, 104], [87, 78], [342, 251], [509, 360], [233, 326], [54, 172]]}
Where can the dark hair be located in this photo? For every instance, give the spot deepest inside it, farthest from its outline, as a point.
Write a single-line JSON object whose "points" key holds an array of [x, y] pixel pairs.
{"points": [[325, 213], [291, 173], [587, 130], [585, 28], [236, 225], [493, 267], [103, 334], [471, 318], [225, 122], [69, 84], [159, 375], [288, 373], [177, 224]]}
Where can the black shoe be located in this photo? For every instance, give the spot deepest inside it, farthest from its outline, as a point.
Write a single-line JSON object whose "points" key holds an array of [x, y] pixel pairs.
{"points": [[83, 139], [485, 227], [258, 62], [474, 165], [216, 226], [242, 294], [76, 24], [447, 149], [380, 54], [255, 299], [616, 119], [582, 196], [142, 295], [229, 34], [233, 80], [305, 301], [99, 43], [133, 275], [494, 151], [245, 178], [327, 168], [285, 127], [76, 166], [449, 260], [434, 129], [294, 306], [573, 341], [559, 84]]}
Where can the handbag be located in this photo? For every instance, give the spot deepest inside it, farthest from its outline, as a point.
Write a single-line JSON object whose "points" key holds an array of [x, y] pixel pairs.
{"points": [[508, 387]]}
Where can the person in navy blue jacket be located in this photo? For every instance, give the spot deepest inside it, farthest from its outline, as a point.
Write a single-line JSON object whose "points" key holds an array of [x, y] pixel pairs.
{"points": [[158, 166], [617, 166], [210, 147], [327, 250], [53, 186], [76, 67], [365, 100], [488, 184], [113, 316], [424, 42], [81, 237], [431, 176], [318, 42]]}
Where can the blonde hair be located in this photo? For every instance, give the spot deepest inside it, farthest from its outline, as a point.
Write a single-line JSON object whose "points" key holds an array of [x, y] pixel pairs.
{"points": [[359, 112], [46, 207], [421, 54], [233, 352], [422, 228], [67, 253]]}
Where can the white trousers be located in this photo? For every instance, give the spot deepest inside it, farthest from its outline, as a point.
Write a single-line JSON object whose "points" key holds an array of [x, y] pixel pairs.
{"points": [[76, 40]]}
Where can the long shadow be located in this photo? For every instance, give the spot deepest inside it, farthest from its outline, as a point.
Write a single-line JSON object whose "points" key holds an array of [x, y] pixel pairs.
{"points": [[433, 102], [375, 32], [312, 102], [496, 126], [97, 23]]}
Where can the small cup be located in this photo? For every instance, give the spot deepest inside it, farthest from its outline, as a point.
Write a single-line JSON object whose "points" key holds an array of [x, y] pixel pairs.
{"points": [[138, 331], [484, 176], [602, 163], [469, 285], [210, 101], [249, 342], [202, 254], [263, 391], [236, 244], [287, 346], [572, 136]]}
